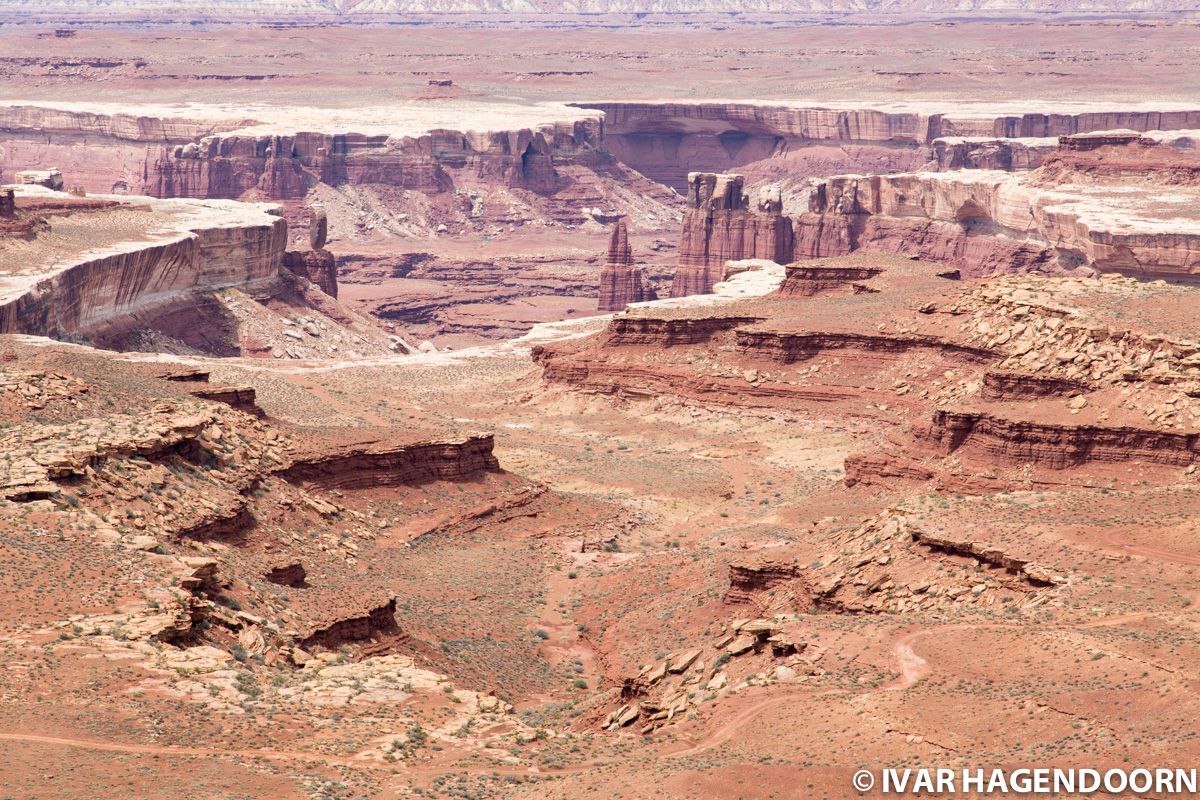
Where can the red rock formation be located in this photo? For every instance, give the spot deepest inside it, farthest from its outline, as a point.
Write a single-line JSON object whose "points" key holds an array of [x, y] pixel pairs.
{"points": [[240, 247], [806, 280], [875, 468], [750, 579], [622, 281], [719, 225], [1002, 385], [786, 347], [181, 157], [243, 398], [318, 227], [285, 167], [668, 331], [1166, 159], [290, 574], [1057, 446], [316, 264], [1006, 154], [376, 623], [382, 462]]}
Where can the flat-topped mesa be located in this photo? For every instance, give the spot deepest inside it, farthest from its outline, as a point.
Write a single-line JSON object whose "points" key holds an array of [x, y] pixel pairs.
{"points": [[665, 140], [117, 262], [720, 225], [149, 151], [622, 281]]}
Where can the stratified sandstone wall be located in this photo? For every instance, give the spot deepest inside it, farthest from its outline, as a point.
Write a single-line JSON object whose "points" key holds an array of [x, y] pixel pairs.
{"points": [[1057, 446], [987, 221], [1011, 126], [986, 153], [373, 463], [218, 245], [667, 140], [719, 225], [226, 158]]}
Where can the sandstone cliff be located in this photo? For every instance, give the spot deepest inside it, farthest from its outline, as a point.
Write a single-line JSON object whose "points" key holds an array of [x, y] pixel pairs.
{"points": [[988, 221], [200, 247], [219, 156], [622, 281], [667, 140], [719, 225]]}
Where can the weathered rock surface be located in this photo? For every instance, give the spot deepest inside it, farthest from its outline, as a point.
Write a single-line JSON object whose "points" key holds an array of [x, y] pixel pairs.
{"points": [[667, 140], [720, 225], [621, 280], [200, 247], [380, 462], [986, 221]]}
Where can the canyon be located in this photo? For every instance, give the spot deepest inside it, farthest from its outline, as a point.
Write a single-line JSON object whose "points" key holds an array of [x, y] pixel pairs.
{"points": [[383, 416]]}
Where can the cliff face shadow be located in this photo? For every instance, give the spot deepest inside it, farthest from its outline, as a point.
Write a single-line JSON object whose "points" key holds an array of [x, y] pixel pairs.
{"points": [[203, 327]]}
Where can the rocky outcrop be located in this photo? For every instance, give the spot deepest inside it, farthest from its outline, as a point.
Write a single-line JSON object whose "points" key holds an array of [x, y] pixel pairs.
{"points": [[720, 225], [316, 265], [987, 221], [49, 178], [622, 281], [203, 247], [32, 460], [1010, 385], [989, 153], [1165, 158], [750, 579], [380, 462], [375, 623], [887, 564], [318, 227], [877, 468], [670, 331], [806, 280], [243, 398], [290, 574], [1057, 446], [1036, 574], [786, 347]]}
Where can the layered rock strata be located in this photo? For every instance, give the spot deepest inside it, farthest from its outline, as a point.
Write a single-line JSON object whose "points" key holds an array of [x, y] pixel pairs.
{"points": [[964, 152], [621, 280], [667, 140], [195, 247], [378, 462], [209, 153], [988, 221], [720, 225]]}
